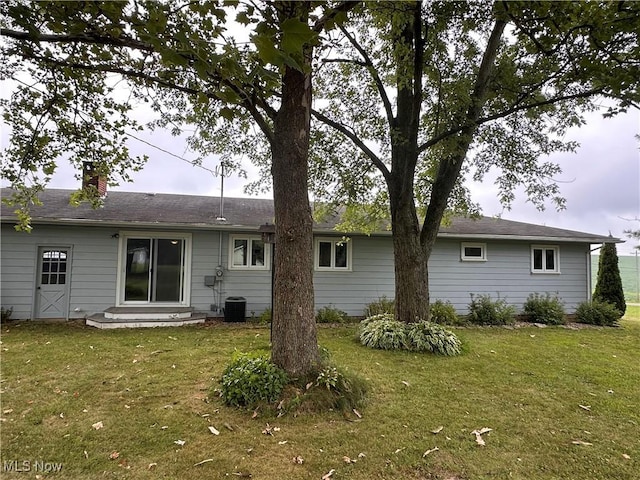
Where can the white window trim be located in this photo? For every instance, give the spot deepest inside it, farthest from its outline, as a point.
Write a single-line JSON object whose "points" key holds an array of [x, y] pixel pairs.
{"points": [[333, 241], [556, 250], [465, 258], [120, 278], [250, 239]]}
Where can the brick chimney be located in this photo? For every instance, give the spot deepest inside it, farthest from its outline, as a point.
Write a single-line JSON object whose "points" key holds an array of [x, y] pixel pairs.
{"points": [[91, 178]]}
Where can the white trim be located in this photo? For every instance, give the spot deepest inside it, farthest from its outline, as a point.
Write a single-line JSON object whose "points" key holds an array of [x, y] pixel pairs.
{"points": [[250, 239], [186, 272], [333, 241], [471, 258], [544, 248]]}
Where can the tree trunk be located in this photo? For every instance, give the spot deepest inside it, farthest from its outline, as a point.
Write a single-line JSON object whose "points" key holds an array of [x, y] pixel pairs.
{"points": [[410, 258], [294, 340], [410, 262]]}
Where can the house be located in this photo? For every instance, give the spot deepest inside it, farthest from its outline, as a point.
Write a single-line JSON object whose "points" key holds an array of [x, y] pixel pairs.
{"points": [[145, 256]]}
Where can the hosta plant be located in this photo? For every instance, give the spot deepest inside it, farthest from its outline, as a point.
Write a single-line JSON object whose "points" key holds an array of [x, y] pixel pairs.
{"points": [[430, 337]]}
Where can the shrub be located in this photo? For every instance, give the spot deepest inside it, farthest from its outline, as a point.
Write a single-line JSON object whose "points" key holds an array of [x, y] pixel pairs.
{"points": [[485, 311], [249, 379], [608, 283], [5, 313], [330, 314], [328, 388], [598, 313], [443, 313], [544, 309], [383, 333], [380, 306], [430, 337]]}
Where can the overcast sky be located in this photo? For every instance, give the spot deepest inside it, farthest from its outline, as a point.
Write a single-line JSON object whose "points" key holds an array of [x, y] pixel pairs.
{"points": [[601, 182]]}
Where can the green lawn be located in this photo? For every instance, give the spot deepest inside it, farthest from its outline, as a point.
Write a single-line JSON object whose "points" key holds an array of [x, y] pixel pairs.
{"points": [[149, 389]]}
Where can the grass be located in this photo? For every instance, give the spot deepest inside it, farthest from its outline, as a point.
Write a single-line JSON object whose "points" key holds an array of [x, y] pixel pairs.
{"points": [[149, 389]]}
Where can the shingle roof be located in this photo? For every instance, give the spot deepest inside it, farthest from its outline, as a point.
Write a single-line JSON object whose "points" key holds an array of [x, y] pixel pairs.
{"points": [[170, 210]]}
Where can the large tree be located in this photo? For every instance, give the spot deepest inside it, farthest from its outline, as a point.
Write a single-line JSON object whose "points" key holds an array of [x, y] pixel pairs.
{"points": [[428, 94], [80, 68]]}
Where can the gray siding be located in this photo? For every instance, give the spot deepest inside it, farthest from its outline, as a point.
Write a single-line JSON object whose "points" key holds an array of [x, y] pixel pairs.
{"points": [[371, 277], [92, 274], [505, 274]]}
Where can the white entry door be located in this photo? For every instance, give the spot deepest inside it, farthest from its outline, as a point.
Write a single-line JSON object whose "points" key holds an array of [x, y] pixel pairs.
{"points": [[52, 292]]}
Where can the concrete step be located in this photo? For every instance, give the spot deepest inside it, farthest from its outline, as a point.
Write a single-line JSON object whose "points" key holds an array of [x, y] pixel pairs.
{"points": [[99, 320]]}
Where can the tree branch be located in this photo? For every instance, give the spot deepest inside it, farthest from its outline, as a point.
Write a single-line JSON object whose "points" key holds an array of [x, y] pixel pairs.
{"points": [[374, 74], [355, 139], [342, 7], [77, 38]]}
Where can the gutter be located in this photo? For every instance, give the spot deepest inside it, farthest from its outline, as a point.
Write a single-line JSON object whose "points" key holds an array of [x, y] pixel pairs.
{"points": [[326, 231]]}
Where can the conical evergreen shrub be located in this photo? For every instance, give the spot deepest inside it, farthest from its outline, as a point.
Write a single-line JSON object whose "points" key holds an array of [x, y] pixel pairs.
{"points": [[609, 283]]}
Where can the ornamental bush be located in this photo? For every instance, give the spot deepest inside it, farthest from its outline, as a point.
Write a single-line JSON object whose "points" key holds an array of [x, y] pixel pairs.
{"points": [[485, 311], [382, 305], [609, 283], [330, 314], [544, 309], [250, 379], [598, 313], [430, 337], [443, 313]]}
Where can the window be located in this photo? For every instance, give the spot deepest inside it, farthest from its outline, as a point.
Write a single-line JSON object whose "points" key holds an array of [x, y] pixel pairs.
{"points": [[473, 252], [54, 267], [248, 253], [333, 254], [545, 259]]}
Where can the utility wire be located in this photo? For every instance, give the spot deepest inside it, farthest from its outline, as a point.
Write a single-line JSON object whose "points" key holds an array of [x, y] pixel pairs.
{"points": [[190, 162]]}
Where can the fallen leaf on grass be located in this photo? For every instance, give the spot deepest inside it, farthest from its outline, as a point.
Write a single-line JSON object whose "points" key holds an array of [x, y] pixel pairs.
{"points": [[228, 427], [151, 466], [283, 442], [437, 430], [406, 384], [204, 461], [255, 413], [328, 475], [86, 455], [269, 430], [398, 450], [585, 407], [580, 442], [113, 455], [361, 455], [478, 433], [357, 413], [8, 411], [214, 431], [434, 449], [346, 459], [98, 425], [179, 442], [298, 460], [628, 457]]}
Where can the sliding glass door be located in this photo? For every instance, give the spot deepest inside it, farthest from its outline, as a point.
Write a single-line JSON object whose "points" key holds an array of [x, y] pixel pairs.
{"points": [[154, 269]]}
